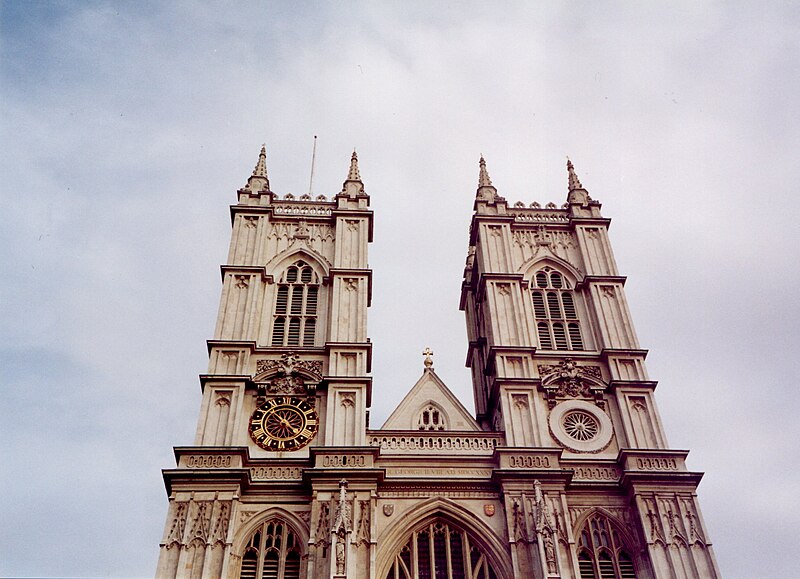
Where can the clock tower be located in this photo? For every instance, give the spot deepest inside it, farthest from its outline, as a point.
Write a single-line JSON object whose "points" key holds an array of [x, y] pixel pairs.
{"points": [[287, 377]]}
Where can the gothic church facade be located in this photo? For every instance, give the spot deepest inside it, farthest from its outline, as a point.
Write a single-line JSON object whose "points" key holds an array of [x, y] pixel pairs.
{"points": [[562, 472]]}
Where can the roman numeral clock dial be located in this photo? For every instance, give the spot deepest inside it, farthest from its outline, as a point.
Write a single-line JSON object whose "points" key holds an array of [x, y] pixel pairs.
{"points": [[284, 423]]}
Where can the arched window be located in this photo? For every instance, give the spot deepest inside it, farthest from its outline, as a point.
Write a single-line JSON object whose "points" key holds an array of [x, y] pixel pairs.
{"points": [[431, 418], [295, 318], [557, 324], [273, 552], [601, 552], [439, 550]]}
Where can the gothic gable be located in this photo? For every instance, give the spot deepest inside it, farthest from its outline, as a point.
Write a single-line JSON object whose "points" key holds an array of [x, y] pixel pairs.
{"points": [[430, 395]]}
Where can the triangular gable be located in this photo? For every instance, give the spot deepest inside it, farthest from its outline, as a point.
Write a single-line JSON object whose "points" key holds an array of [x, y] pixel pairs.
{"points": [[430, 389]]}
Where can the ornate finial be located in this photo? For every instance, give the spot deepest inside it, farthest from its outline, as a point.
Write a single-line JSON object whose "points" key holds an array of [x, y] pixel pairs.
{"points": [[261, 167], [428, 362], [574, 182], [483, 177], [537, 492], [354, 175], [259, 181]]}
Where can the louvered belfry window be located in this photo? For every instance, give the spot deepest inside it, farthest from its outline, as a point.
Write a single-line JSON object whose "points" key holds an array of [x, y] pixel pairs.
{"points": [[439, 550], [557, 324], [295, 317], [273, 552], [601, 552]]}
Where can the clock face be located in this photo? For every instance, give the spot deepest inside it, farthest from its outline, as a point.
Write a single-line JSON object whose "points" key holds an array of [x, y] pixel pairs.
{"points": [[284, 423]]}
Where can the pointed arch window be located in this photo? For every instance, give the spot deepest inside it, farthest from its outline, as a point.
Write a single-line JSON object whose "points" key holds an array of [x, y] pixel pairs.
{"points": [[439, 550], [273, 552], [601, 551], [557, 323], [295, 317], [431, 418]]}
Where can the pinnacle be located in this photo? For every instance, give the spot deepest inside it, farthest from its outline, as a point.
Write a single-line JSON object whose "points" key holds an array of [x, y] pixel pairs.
{"points": [[574, 182], [353, 174], [261, 167], [483, 177], [259, 181]]}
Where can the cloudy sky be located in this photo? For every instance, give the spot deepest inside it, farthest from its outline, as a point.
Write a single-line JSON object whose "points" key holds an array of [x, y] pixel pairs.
{"points": [[127, 128]]}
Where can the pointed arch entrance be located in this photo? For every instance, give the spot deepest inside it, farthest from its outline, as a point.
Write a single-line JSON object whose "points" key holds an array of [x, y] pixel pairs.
{"points": [[442, 540]]}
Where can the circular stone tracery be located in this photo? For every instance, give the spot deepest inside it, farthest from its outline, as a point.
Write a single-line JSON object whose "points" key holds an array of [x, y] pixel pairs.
{"points": [[580, 425]]}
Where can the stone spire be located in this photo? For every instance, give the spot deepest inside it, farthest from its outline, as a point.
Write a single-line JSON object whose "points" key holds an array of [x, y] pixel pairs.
{"points": [[483, 176], [353, 174], [353, 185], [486, 191], [574, 182], [259, 181], [577, 194]]}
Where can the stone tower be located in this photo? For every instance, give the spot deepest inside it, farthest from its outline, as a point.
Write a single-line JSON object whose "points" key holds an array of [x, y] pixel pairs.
{"points": [[563, 471], [557, 368], [288, 373]]}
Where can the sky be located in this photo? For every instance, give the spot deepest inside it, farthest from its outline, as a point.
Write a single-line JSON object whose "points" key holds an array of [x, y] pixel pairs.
{"points": [[127, 128]]}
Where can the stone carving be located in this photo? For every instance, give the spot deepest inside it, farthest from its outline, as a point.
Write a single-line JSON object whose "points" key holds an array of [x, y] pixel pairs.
{"points": [[675, 530], [470, 256], [488, 509], [347, 399], [245, 516], [608, 291], [242, 281], [544, 527], [275, 472], [439, 442], [542, 237], [558, 517], [286, 385], [300, 210], [305, 516], [363, 534], [695, 534], [312, 231], [199, 532], [520, 401], [341, 528], [352, 224], [322, 525], [250, 221], [388, 509], [290, 364], [655, 529], [177, 528], [301, 230], [520, 526], [526, 215], [209, 461], [220, 533], [550, 553], [569, 380], [351, 284]]}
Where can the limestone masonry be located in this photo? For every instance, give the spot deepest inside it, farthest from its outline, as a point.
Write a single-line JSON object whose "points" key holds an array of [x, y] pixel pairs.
{"points": [[563, 472]]}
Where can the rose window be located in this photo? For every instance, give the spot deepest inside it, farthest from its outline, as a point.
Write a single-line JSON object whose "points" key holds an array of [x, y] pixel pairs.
{"points": [[580, 425]]}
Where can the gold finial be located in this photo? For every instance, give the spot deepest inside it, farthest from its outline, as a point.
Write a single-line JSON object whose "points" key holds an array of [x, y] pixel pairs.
{"points": [[427, 352]]}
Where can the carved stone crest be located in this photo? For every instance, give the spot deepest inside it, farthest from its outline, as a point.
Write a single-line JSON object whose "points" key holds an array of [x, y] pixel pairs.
{"points": [[488, 509], [290, 364], [569, 380], [388, 509], [286, 385]]}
